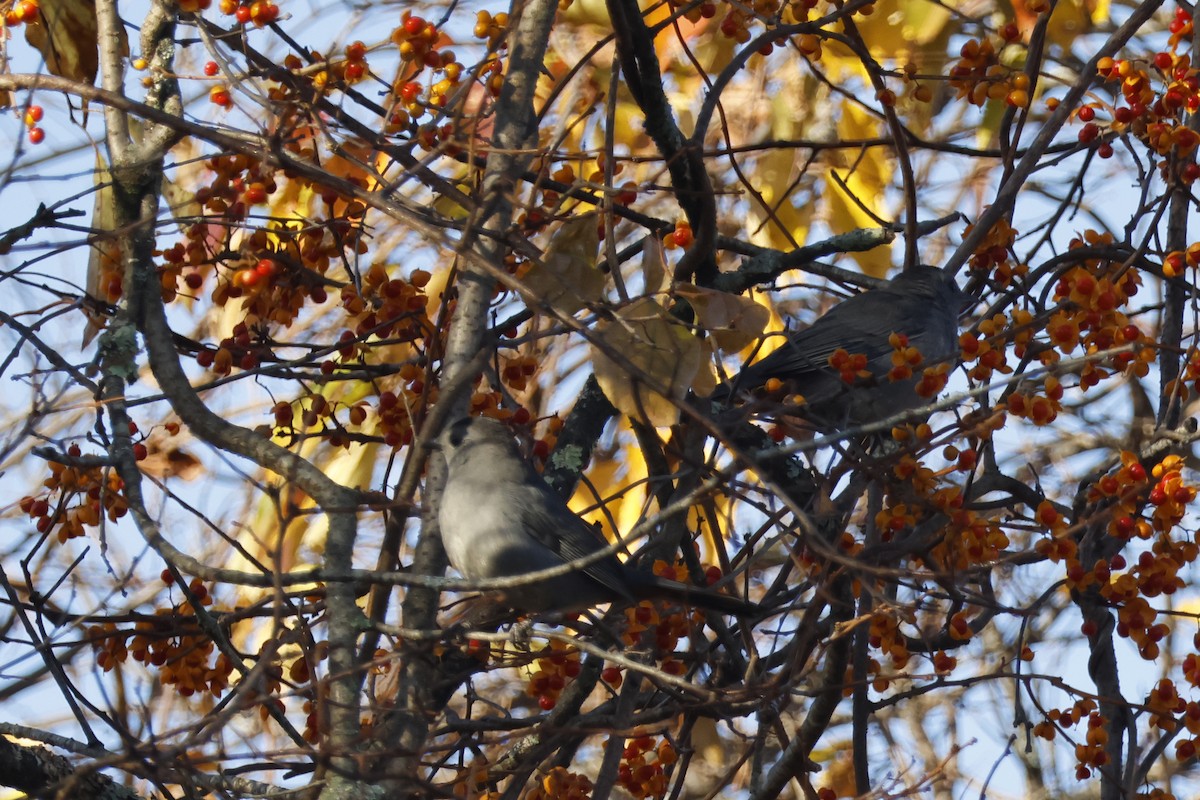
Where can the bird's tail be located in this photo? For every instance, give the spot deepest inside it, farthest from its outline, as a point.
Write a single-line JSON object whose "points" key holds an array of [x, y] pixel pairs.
{"points": [[655, 588]]}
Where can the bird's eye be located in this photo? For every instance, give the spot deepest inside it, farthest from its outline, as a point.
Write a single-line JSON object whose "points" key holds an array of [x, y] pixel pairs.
{"points": [[458, 432]]}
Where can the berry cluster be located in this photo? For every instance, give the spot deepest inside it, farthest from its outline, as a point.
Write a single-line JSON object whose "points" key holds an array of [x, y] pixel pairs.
{"points": [[561, 784], [33, 116], [22, 12], [642, 771], [980, 76], [389, 307], [1158, 93], [1091, 317], [259, 12], [557, 665], [647, 623], [992, 255], [851, 366], [987, 346], [244, 347], [904, 358], [77, 497], [417, 42], [183, 657]]}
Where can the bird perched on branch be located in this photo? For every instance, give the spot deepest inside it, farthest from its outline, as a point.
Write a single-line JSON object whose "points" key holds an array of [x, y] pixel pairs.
{"points": [[499, 519], [866, 358]]}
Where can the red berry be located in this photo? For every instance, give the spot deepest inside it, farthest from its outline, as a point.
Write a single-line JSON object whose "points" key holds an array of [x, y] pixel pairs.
{"points": [[265, 267], [33, 115], [242, 14], [255, 193], [194, 280], [355, 70], [414, 25], [1105, 150], [1087, 113], [410, 91], [140, 452], [211, 68], [36, 135], [1163, 61]]}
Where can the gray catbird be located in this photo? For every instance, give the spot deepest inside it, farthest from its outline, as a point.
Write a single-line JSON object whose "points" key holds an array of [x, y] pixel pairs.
{"points": [[922, 303], [499, 519]]}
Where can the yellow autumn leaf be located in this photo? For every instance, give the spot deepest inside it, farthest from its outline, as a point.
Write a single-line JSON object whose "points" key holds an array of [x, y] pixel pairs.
{"points": [[657, 274], [262, 538], [65, 33], [775, 219], [1069, 20], [866, 180], [567, 277], [733, 320], [764, 344], [660, 349], [906, 30], [620, 480], [706, 379], [104, 267]]}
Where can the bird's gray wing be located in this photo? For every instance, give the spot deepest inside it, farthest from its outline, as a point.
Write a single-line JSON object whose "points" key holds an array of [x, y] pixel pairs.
{"points": [[553, 524], [861, 324]]}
